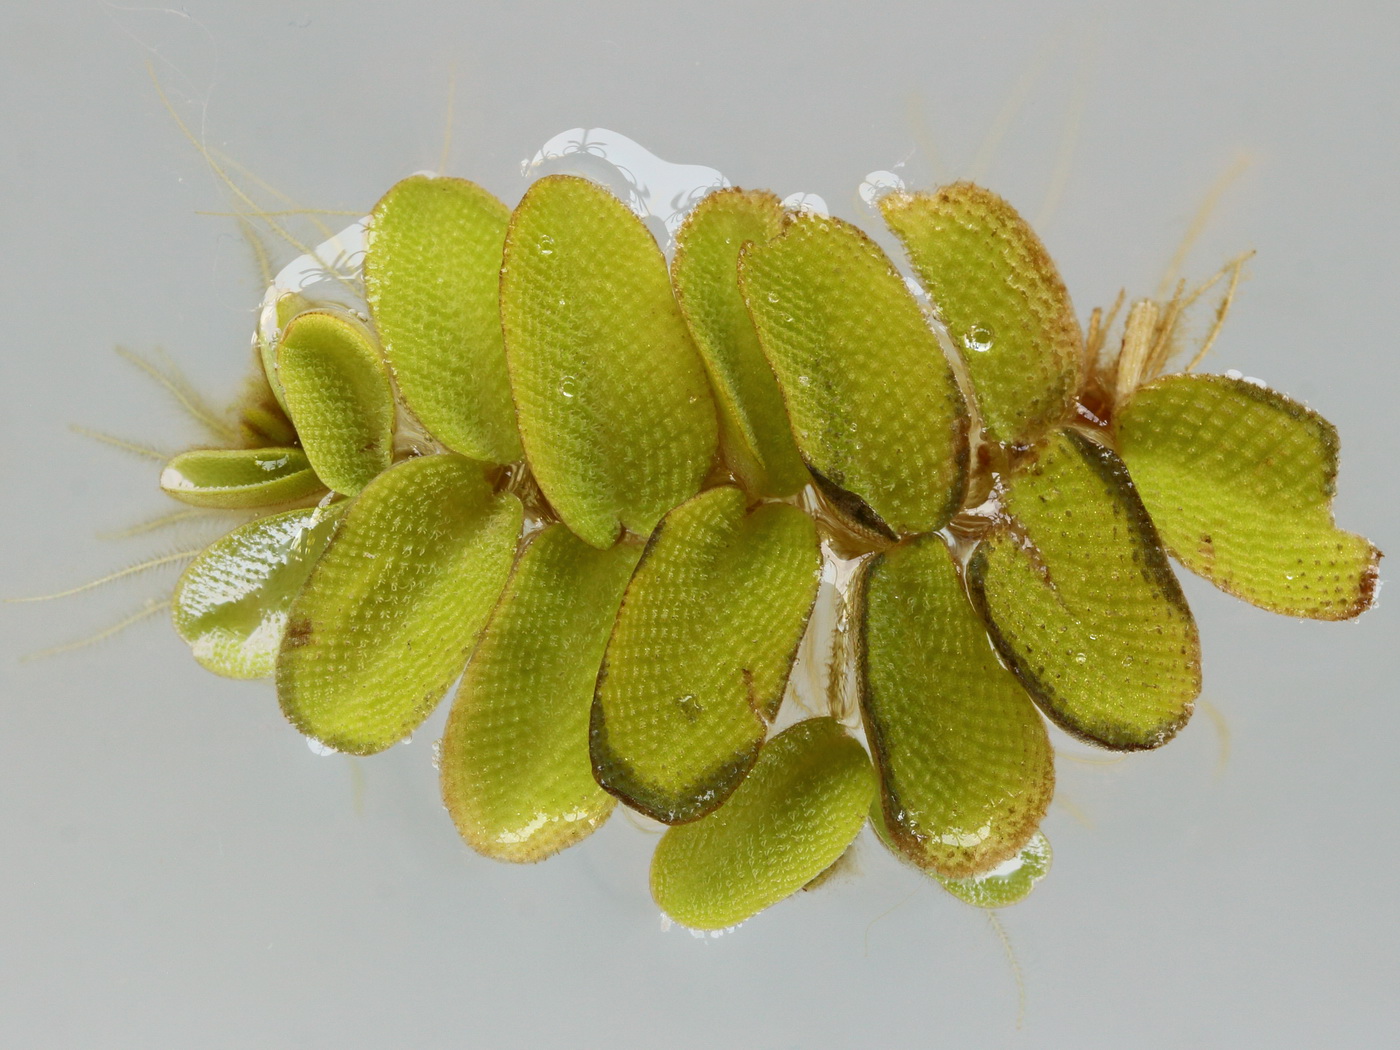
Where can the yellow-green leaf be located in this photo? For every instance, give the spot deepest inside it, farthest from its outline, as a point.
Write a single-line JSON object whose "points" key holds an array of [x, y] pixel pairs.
{"points": [[874, 406], [700, 654], [240, 478], [516, 774], [794, 816], [338, 395], [1239, 481], [754, 434], [965, 765], [289, 304], [614, 407], [1007, 883], [391, 611], [231, 603], [1082, 603], [432, 279], [999, 294]]}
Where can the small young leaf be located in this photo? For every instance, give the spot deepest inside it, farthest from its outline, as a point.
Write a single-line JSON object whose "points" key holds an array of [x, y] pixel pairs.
{"points": [[754, 433], [802, 805], [394, 606], [614, 407], [1082, 603], [1239, 481], [516, 774], [700, 654], [1006, 884], [1002, 300], [231, 603], [240, 478], [339, 398], [874, 406], [965, 764], [432, 279]]}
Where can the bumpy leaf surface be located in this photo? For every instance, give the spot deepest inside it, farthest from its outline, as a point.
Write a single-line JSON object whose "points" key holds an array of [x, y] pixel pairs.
{"points": [[874, 406], [240, 478], [339, 399], [1239, 481], [516, 774], [432, 278], [1002, 300], [1007, 883], [391, 611], [614, 407], [794, 816], [231, 603], [965, 764], [700, 654], [754, 433], [1082, 603]]}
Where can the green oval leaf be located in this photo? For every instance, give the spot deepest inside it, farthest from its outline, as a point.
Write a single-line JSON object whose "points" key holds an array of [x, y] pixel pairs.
{"points": [[516, 774], [240, 478], [339, 398], [1239, 481], [231, 603], [999, 294], [391, 611], [700, 654], [965, 764], [794, 816], [615, 410], [874, 406], [754, 434], [1082, 603], [432, 279]]}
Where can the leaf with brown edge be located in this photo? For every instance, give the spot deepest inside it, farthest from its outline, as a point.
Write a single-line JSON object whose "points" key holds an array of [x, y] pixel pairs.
{"points": [[1081, 601], [965, 764], [874, 406], [391, 611], [1239, 480], [794, 817], [701, 651], [516, 774], [754, 434], [613, 403], [1005, 307]]}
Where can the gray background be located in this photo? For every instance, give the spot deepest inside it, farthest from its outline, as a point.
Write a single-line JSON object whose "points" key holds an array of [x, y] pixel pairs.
{"points": [[178, 870]]}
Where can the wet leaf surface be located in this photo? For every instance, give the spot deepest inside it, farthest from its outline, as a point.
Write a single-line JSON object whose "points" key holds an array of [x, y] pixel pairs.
{"points": [[1002, 300], [240, 478], [614, 405], [231, 603]]}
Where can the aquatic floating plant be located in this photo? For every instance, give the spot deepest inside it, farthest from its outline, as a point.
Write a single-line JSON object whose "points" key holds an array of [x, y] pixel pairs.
{"points": [[604, 493]]}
